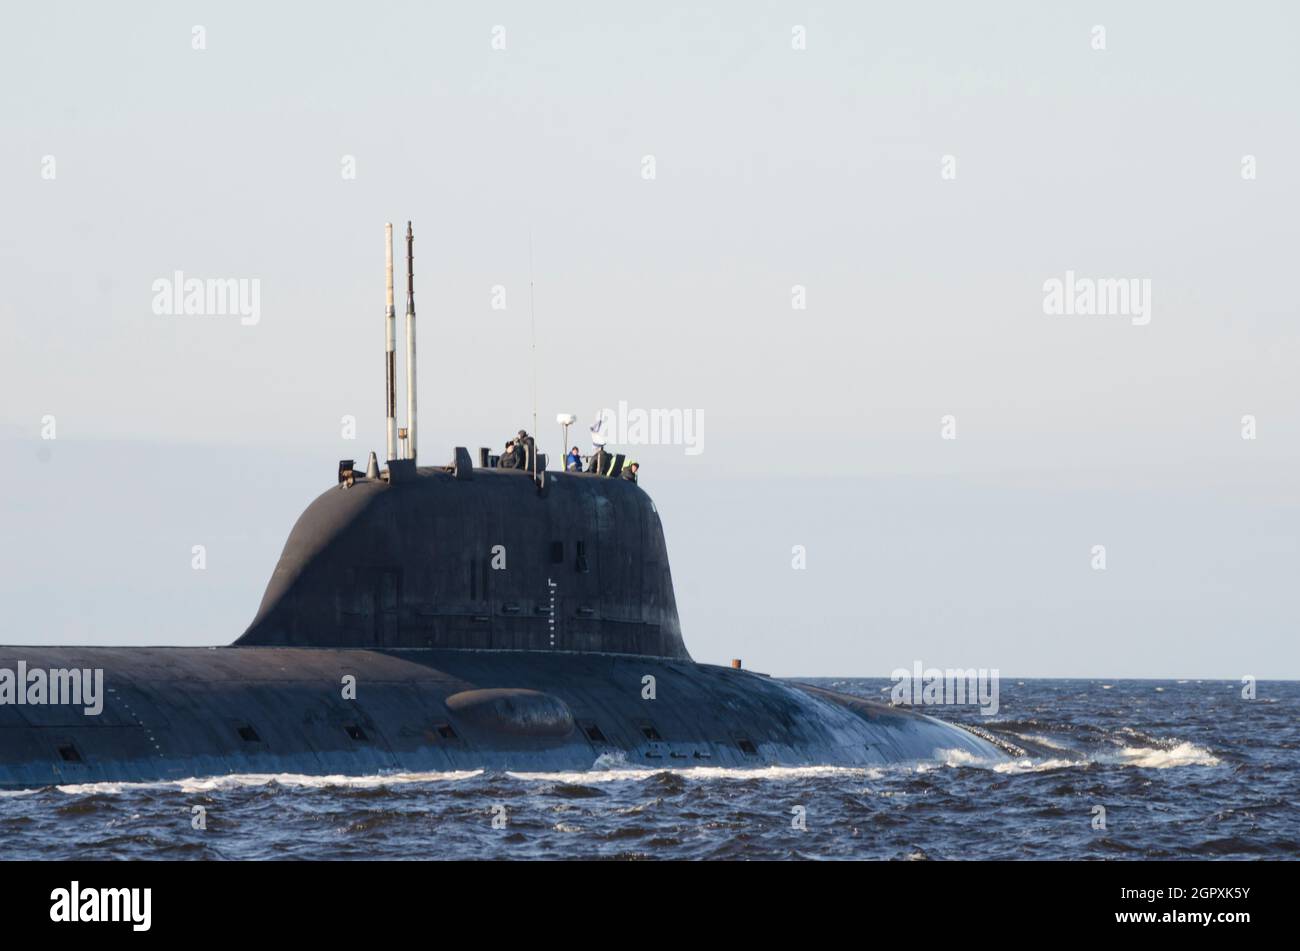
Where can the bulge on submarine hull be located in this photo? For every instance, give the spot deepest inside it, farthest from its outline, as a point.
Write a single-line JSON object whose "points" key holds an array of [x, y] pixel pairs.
{"points": [[445, 618]]}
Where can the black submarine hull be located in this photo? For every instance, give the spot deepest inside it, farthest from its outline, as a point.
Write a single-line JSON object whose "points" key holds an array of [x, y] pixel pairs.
{"points": [[171, 713]]}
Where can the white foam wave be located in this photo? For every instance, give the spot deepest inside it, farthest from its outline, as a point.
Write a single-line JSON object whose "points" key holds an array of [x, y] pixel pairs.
{"points": [[957, 757], [1146, 757], [1169, 755], [1027, 764], [615, 769], [1181, 754], [12, 793], [729, 773], [195, 784]]}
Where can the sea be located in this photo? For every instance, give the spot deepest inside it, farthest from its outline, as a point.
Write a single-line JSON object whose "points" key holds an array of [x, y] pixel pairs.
{"points": [[1126, 770]]}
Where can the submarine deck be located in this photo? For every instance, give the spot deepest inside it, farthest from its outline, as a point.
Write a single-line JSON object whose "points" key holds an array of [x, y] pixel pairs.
{"points": [[176, 712]]}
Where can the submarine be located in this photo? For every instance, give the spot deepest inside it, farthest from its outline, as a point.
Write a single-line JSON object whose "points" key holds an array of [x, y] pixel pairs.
{"points": [[451, 617]]}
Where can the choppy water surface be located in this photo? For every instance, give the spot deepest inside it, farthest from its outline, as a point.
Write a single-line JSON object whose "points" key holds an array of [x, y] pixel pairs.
{"points": [[1183, 769]]}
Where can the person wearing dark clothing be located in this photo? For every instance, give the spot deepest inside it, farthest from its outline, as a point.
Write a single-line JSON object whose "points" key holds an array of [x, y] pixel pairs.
{"points": [[524, 449], [510, 458], [573, 461], [600, 461], [630, 470]]}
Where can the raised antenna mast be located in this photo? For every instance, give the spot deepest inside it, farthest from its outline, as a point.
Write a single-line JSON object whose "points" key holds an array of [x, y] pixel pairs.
{"points": [[410, 342], [390, 357], [532, 319]]}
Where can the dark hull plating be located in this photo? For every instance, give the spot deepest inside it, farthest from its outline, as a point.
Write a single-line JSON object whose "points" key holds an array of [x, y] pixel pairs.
{"points": [[172, 713]]}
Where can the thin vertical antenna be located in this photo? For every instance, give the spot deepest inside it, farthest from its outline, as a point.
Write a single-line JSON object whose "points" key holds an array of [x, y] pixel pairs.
{"points": [[410, 343], [390, 340], [532, 319]]}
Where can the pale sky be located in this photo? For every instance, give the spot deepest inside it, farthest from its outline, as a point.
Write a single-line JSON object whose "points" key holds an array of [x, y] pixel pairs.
{"points": [[129, 155]]}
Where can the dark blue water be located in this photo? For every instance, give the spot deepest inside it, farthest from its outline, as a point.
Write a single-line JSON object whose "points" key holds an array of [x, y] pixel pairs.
{"points": [[1182, 769]]}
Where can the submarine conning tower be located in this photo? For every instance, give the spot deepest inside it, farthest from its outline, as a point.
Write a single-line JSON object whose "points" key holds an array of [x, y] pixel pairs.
{"points": [[458, 556], [480, 558]]}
